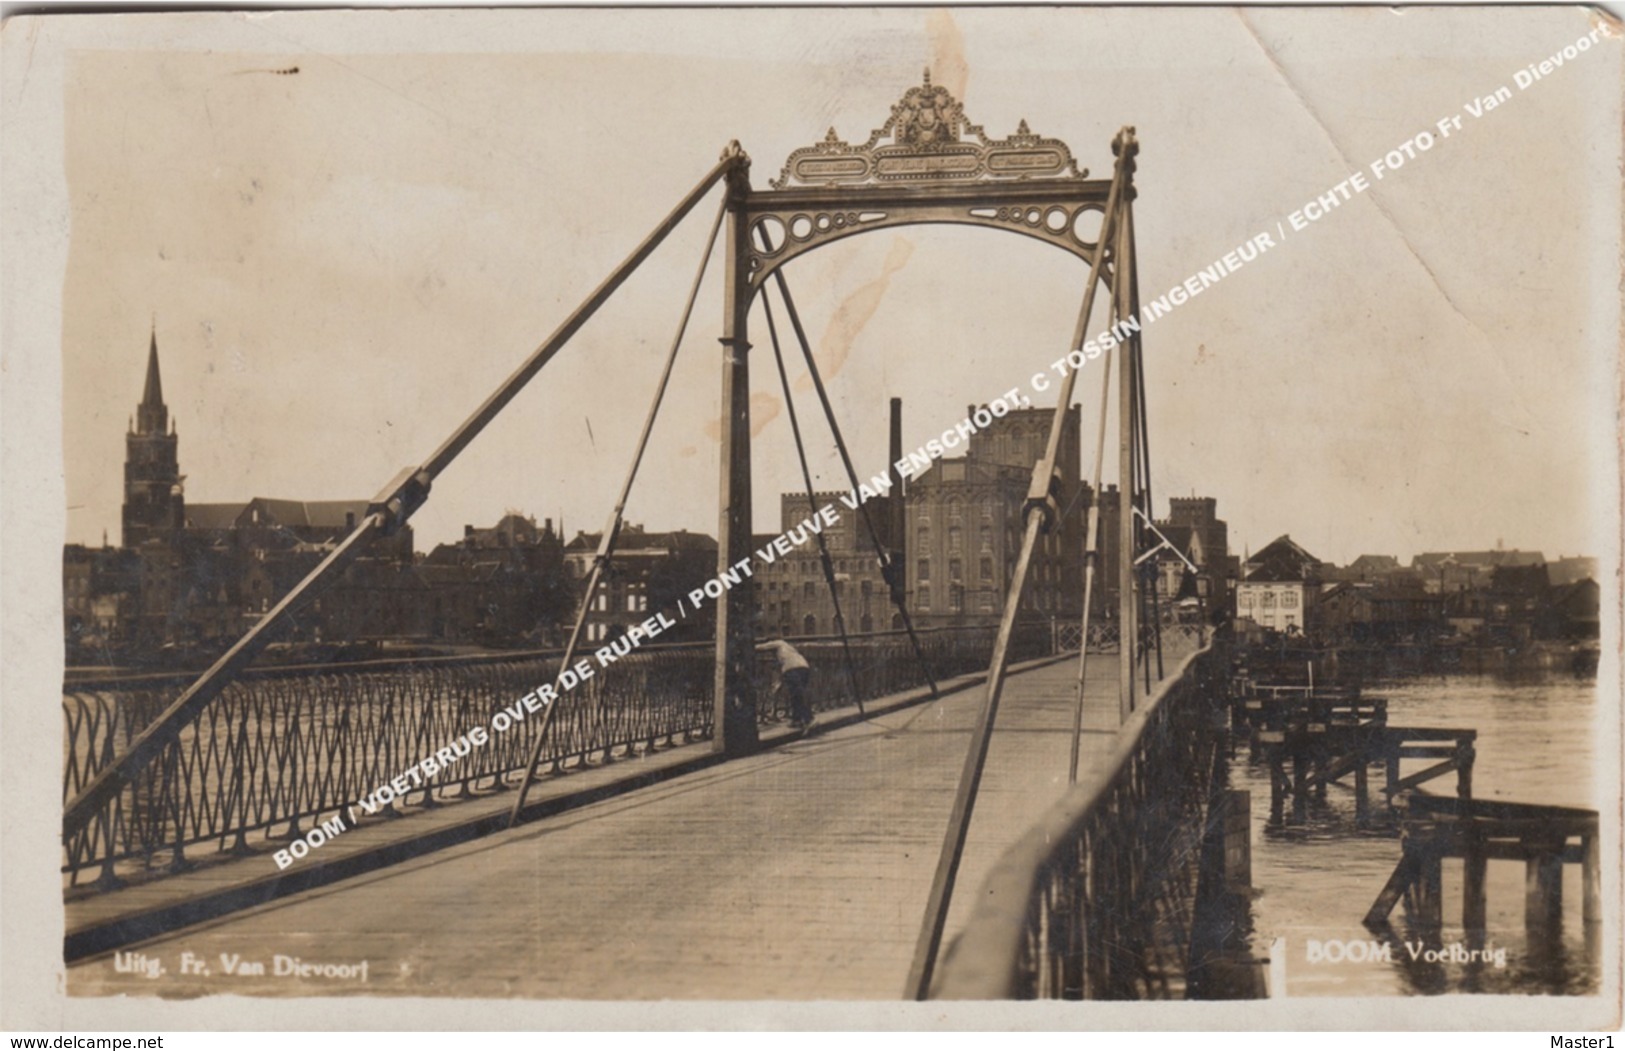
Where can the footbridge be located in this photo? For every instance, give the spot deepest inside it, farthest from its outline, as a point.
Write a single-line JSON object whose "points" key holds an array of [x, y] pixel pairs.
{"points": [[1013, 809]]}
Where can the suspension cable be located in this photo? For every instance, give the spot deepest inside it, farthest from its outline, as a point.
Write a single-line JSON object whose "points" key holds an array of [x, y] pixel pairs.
{"points": [[812, 506], [888, 568], [612, 529]]}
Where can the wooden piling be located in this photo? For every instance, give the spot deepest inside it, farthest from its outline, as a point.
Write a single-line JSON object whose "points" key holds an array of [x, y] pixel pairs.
{"points": [[1278, 786], [1362, 791], [1430, 886], [1475, 865], [1479, 831], [1300, 789], [1543, 891], [1591, 879], [1398, 884]]}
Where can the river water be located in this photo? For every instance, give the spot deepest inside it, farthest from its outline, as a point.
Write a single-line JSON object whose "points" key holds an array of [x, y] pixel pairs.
{"points": [[1537, 741]]}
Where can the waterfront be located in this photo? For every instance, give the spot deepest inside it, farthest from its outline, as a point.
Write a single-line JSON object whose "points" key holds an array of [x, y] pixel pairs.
{"points": [[1314, 882]]}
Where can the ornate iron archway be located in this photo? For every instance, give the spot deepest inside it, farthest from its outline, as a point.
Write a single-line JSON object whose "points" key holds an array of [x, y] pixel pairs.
{"points": [[927, 164]]}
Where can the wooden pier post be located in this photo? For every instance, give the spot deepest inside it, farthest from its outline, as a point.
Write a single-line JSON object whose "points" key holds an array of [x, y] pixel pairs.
{"points": [[1300, 788], [1391, 787], [1543, 890], [1430, 886], [1464, 769], [1362, 791], [1275, 757], [1475, 866], [1591, 879]]}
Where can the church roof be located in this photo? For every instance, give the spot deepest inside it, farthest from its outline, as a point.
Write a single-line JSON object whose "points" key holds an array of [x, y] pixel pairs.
{"points": [[153, 392], [320, 514], [212, 516], [335, 513]]}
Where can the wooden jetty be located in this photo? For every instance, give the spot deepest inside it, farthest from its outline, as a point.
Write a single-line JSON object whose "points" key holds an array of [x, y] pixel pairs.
{"points": [[1329, 733], [1544, 838]]}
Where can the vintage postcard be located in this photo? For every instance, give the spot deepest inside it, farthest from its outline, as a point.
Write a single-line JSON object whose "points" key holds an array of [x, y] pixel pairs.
{"points": [[813, 517]]}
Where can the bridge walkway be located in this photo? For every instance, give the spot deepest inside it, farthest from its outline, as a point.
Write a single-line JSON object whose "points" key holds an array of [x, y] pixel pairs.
{"points": [[797, 873]]}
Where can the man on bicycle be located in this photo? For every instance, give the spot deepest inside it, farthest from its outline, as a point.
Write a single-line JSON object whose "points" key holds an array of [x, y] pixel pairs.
{"points": [[794, 675]]}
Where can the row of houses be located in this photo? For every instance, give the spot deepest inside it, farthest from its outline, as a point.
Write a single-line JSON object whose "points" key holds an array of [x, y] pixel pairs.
{"points": [[200, 588], [191, 577], [1500, 597]]}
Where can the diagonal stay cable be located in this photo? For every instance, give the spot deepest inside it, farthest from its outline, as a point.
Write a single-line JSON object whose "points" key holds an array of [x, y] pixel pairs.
{"points": [[612, 528], [1040, 505], [1091, 560], [888, 568], [1144, 426], [812, 507], [1144, 580]]}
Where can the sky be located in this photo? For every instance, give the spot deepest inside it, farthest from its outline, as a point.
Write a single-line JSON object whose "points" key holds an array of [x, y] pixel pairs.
{"points": [[341, 262]]}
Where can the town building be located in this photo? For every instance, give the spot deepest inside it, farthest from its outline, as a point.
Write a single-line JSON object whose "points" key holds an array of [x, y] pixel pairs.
{"points": [[1279, 587], [1360, 611], [502, 585], [1192, 555], [792, 593], [1572, 611], [648, 573], [963, 526], [1566, 570], [1443, 572]]}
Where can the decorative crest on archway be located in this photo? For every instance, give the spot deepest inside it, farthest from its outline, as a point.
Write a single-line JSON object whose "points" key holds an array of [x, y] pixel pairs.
{"points": [[931, 142]]}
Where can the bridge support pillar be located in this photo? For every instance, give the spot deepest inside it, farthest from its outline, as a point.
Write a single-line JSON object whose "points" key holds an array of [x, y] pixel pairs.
{"points": [[735, 698]]}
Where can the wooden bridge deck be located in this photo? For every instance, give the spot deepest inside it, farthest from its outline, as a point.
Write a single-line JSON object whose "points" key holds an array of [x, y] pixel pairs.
{"points": [[798, 873]]}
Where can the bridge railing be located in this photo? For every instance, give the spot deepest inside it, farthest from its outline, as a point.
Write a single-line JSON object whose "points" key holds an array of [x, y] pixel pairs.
{"points": [[1102, 637], [283, 748], [885, 663], [1095, 901]]}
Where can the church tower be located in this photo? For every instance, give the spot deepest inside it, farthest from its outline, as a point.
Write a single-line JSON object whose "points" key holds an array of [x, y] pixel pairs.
{"points": [[154, 508]]}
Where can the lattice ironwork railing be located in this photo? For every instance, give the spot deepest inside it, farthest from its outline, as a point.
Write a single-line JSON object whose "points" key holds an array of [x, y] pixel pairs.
{"points": [[1095, 902], [280, 749], [1102, 637]]}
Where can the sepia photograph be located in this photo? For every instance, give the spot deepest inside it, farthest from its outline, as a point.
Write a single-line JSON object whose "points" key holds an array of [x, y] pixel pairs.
{"points": [[542, 513]]}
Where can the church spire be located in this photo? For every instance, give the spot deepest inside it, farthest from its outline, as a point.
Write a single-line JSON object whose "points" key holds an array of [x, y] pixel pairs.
{"points": [[152, 415], [154, 507]]}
